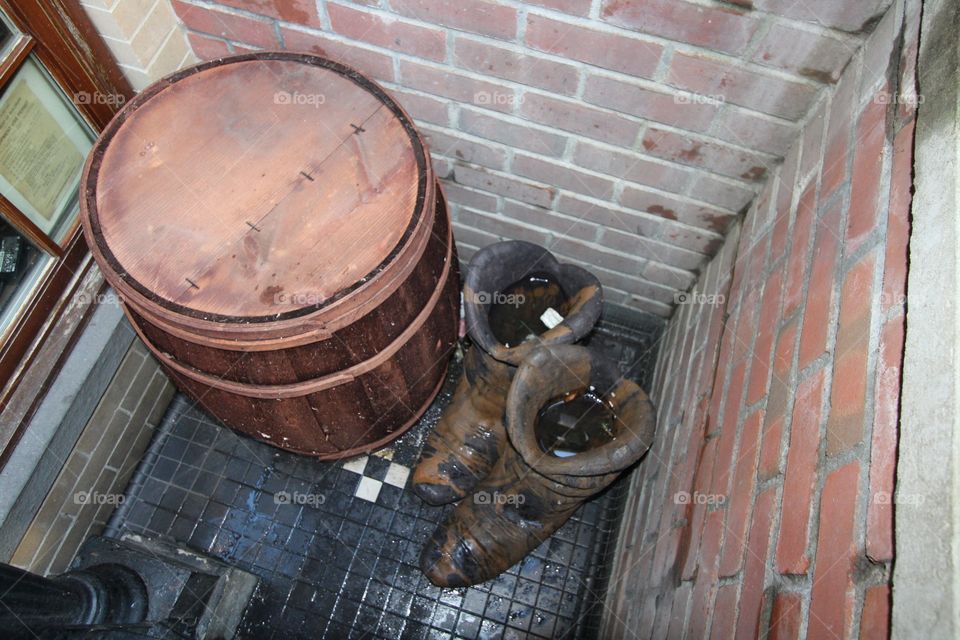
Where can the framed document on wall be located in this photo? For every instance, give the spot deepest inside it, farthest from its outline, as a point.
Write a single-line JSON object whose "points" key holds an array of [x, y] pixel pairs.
{"points": [[43, 143]]}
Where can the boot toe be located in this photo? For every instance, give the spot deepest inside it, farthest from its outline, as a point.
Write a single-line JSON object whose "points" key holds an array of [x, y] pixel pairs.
{"points": [[439, 567], [436, 494]]}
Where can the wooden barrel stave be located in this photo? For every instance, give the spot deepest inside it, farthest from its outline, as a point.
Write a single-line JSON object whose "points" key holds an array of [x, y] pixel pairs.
{"points": [[354, 343], [356, 416]]}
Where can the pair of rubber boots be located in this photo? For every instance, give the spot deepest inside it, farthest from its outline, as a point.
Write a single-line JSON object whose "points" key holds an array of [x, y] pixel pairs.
{"points": [[485, 445]]}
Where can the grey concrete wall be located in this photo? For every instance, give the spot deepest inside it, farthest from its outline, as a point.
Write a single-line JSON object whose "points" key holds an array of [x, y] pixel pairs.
{"points": [[926, 577]]}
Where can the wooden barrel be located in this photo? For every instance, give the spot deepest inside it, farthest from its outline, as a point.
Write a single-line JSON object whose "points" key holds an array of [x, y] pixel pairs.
{"points": [[273, 226]]}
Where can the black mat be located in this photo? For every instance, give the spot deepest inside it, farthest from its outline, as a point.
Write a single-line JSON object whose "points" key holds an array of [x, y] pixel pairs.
{"points": [[337, 543]]}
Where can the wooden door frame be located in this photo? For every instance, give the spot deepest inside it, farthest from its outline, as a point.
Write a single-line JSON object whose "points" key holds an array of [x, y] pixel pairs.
{"points": [[68, 45]]}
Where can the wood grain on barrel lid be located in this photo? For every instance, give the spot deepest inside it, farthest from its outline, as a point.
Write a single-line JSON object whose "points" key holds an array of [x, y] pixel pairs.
{"points": [[256, 188]]}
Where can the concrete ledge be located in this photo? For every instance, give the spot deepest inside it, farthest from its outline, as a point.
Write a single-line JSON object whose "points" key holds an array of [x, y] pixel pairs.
{"points": [[34, 464]]}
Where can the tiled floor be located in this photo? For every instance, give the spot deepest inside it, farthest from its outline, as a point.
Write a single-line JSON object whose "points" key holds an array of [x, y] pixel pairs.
{"points": [[337, 543]]}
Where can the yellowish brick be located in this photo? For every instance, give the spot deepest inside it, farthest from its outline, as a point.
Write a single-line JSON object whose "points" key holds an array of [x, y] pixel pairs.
{"points": [[154, 31]]}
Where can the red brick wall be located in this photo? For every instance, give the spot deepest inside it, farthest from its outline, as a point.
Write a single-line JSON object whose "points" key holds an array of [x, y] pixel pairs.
{"points": [[764, 507], [628, 136]]}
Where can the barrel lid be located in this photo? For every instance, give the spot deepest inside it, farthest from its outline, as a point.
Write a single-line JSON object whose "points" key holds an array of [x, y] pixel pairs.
{"points": [[254, 188]]}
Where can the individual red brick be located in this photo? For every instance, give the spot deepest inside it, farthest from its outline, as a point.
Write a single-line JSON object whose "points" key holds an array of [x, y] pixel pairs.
{"points": [[573, 7], [720, 485], [784, 183], [669, 277], [848, 397], [472, 198], [364, 26], [741, 496], [799, 250], [845, 16], [302, 12], [706, 242], [811, 54], [756, 223], [719, 28], [678, 614], [241, 49], [456, 86], [575, 117], [766, 330], [834, 169], [663, 253], [843, 108], [665, 555], [875, 619], [831, 598], [845, 428], [562, 176], [725, 613], [753, 131], [741, 273], [785, 617], [780, 379], [510, 133], [747, 326], [500, 227], [422, 107], [801, 477], [667, 206], [207, 48], [626, 165], [741, 85], [723, 192], [662, 618], [907, 108], [715, 421], [503, 185], [751, 596], [866, 176], [597, 255], [820, 292], [632, 56], [601, 213], [231, 26], [683, 474], [698, 511], [467, 150], [707, 154], [705, 586], [898, 220], [880, 53], [781, 225], [477, 16], [648, 614], [883, 446], [710, 350], [372, 63], [669, 108], [536, 71], [769, 464], [648, 290], [472, 237], [812, 147]]}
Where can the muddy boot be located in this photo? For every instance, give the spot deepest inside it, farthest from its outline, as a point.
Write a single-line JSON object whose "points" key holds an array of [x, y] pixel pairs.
{"points": [[507, 288], [552, 464]]}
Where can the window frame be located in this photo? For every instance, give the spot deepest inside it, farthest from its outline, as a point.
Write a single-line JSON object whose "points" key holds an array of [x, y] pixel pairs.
{"points": [[61, 36]]}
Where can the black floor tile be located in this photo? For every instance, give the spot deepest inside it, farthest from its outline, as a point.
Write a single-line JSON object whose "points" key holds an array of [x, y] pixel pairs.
{"points": [[336, 565]]}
